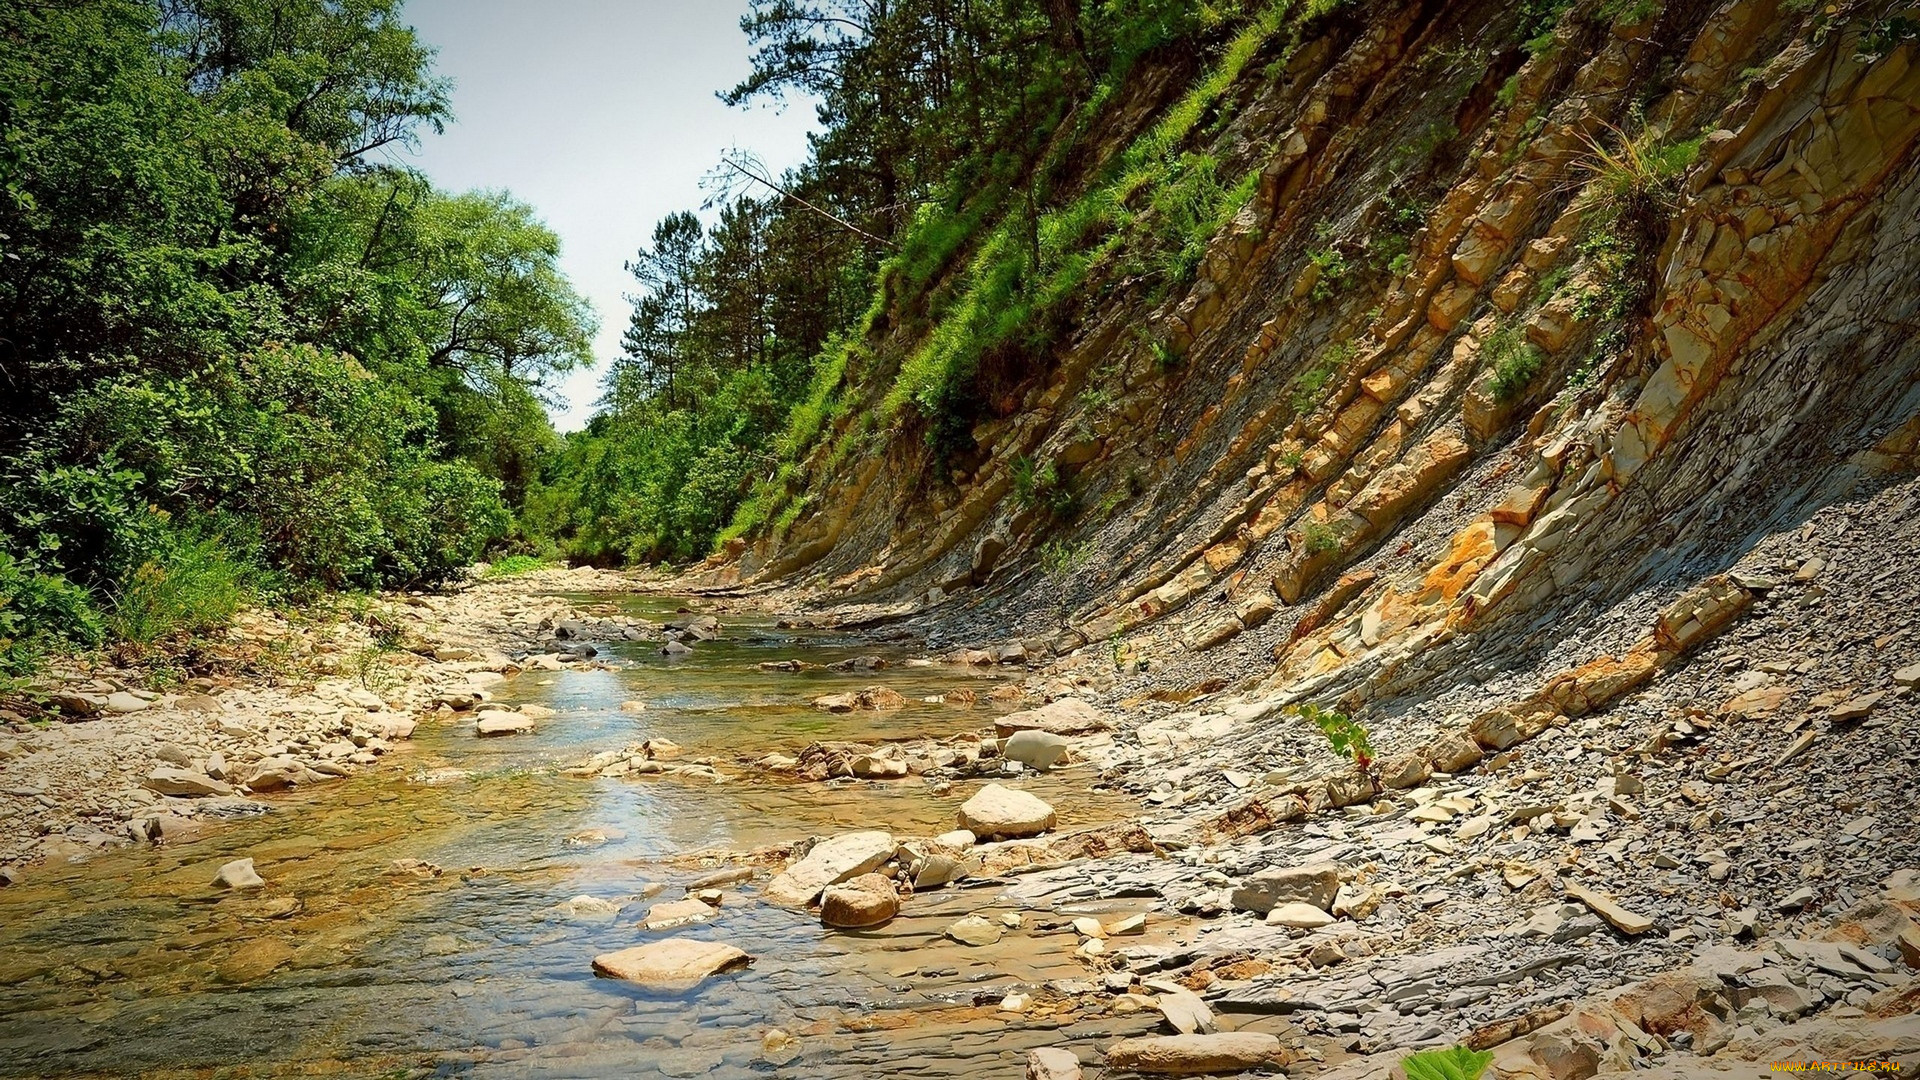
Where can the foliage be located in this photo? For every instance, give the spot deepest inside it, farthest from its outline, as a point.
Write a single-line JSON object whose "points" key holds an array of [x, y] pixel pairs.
{"points": [[1306, 387], [193, 588], [1514, 361], [514, 565], [41, 612], [1630, 175], [1060, 557], [1344, 735], [1319, 538], [243, 350], [1453, 1063]]}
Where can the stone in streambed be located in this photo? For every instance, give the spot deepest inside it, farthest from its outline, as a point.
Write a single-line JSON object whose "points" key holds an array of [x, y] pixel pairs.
{"points": [[1067, 716], [676, 913], [239, 875], [1035, 749], [867, 900], [829, 863], [497, 722], [937, 868], [182, 783], [1298, 916], [1004, 813], [975, 930], [672, 965], [1195, 1055]]}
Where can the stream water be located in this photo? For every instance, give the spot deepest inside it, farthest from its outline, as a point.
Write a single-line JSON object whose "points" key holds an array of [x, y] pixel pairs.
{"points": [[134, 964]]}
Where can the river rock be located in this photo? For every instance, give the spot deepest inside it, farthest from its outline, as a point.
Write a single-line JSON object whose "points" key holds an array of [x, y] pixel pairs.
{"points": [[676, 913], [975, 930], [239, 875], [837, 703], [867, 900], [675, 650], [671, 965], [1052, 1063], [829, 863], [1194, 1055], [1067, 716], [184, 784], [1299, 916], [124, 702], [1004, 813], [1035, 748], [1316, 884], [938, 868], [496, 722], [277, 773]]}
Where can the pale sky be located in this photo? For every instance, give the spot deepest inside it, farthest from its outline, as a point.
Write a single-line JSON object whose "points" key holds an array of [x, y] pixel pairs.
{"points": [[602, 115]]}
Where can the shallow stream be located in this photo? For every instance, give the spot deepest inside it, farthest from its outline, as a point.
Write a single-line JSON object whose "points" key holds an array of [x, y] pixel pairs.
{"points": [[133, 963]]}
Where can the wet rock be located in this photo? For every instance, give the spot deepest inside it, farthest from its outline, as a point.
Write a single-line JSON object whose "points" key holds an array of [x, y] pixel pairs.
{"points": [[1052, 1063], [676, 913], [181, 783], [1035, 749], [975, 930], [1195, 1055], [867, 900], [672, 965], [494, 723], [590, 907], [239, 875], [1002, 813], [882, 698], [829, 863], [732, 875], [1067, 716], [676, 650], [858, 663], [837, 703], [1316, 884]]}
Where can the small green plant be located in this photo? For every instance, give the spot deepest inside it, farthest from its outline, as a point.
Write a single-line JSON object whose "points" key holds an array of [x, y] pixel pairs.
{"points": [[1509, 91], [1453, 1063], [1025, 481], [1514, 361], [1333, 272], [1307, 386], [1060, 556], [1117, 649], [1344, 734], [1165, 356], [1319, 538], [191, 589], [1550, 283], [1638, 173]]}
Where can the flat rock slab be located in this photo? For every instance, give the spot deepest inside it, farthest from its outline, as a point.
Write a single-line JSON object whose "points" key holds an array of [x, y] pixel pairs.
{"points": [[675, 913], [1197, 1055], [1035, 749], [182, 783], [239, 874], [829, 863], [1315, 883], [674, 964], [492, 724], [1623, 920], [1068, 716]]}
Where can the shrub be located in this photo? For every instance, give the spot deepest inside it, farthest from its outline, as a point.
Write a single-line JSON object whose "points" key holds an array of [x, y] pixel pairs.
{"points": [[40, 612], [517, 564], [1319, 538], [193, 588]]}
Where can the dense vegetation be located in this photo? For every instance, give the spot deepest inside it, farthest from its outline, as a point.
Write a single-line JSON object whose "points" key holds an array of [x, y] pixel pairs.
{"points": [[955, 190], [243, 352]]}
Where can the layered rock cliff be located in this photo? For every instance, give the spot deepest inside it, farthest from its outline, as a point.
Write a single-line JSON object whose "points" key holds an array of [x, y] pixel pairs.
{"points": [[1516, 348]]}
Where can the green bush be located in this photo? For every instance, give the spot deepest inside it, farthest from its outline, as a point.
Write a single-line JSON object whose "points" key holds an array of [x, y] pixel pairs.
{"points": [[40, 612], [1345, 736], [191, 589], [517, 564]]}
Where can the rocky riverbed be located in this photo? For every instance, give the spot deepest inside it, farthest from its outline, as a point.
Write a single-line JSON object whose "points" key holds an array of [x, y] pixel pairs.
{"points": [[784, 847]]}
